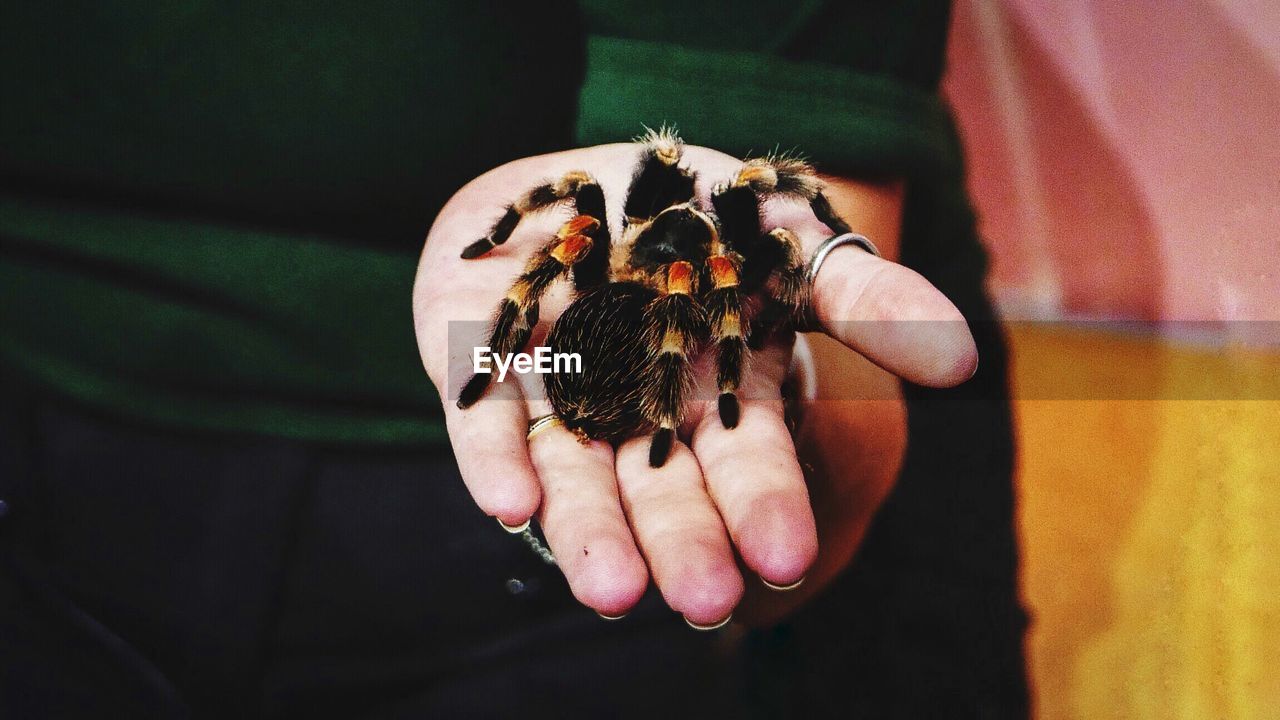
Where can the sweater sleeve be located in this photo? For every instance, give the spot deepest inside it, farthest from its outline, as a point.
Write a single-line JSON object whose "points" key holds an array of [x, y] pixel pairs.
{"points": [[850, 85]]}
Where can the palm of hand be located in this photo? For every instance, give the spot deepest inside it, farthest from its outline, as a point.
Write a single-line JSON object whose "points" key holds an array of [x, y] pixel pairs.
{"points": [[612, 520]]}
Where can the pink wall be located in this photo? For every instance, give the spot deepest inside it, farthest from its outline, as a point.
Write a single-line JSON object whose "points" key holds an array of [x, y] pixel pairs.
{"points": [[1125, 156]]}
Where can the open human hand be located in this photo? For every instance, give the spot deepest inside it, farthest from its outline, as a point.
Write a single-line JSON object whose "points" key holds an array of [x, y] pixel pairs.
{"points": [[611, 519]]}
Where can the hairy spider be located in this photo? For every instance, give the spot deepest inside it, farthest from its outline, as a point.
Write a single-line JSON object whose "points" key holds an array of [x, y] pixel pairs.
{"points": [[681, 278]]}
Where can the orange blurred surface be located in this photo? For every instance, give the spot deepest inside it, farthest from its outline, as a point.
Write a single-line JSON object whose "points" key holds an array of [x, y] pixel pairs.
{"points": [[1150, 528]]}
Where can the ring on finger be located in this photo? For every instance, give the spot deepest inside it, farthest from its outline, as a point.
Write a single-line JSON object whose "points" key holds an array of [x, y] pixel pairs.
{"points": [[833, 242], [540, 423], [810, 321]]}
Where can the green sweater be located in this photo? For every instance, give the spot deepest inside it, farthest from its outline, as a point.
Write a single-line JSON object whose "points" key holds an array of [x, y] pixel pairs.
{"points": [[210, 213]]}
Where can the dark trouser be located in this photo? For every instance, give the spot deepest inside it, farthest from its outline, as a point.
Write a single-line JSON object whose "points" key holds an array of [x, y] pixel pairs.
{"points": [[149, 574]]}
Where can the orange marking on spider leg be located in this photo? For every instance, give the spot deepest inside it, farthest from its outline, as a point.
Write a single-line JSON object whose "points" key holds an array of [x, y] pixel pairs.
{"points": [[571, 182], [519, 292], [730, 326], [755, 173], [673, 341], [571, 249], [578, 225], [723, 274], [680, 278]]}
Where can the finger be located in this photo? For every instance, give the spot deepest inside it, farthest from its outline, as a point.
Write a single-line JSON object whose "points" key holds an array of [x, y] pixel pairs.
{"points": [[584, 523], [755, 480], [894, 317], [489, 437], [493, 458], [679, 532]]}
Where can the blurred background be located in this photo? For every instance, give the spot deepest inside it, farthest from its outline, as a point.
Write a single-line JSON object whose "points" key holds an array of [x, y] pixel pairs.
{"points": [[1125, 162]]}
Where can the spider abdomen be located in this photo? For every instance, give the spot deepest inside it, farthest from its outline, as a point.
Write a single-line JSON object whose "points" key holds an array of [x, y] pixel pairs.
{"points": [[605, 326]]}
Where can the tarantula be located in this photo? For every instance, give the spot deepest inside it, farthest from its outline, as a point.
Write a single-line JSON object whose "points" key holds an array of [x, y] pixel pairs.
{"points": [[680, 278]]}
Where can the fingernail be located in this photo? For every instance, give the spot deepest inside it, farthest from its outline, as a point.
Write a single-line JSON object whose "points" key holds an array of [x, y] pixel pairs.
{"points": [[782, 588], [708, 628], [610, 618], [514, 529]]}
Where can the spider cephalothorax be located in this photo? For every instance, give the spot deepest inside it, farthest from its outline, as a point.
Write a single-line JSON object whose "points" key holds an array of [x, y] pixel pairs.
{"points": [[681, 278]]}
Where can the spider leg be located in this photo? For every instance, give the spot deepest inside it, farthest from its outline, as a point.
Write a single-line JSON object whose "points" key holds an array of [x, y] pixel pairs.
{"points": [[772, 261], [726, 324], [790, 177], [787, 290], [674, 323], [737, 208], [659, 182], [593, 268], [518, 313], [570, 186]]}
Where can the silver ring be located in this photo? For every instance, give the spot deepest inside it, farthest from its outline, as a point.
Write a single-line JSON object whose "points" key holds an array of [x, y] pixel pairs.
{"points": [[835, 241]]}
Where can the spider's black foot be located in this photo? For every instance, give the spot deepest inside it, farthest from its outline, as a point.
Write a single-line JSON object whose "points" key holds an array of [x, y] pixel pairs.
{"points": [[477, 248], [472, 391], [660, 448], [729, 410]]}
